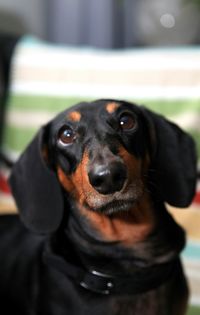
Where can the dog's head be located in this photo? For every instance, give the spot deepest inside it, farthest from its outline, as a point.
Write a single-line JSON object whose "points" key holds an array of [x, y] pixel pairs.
{"points": [[105, 155]]}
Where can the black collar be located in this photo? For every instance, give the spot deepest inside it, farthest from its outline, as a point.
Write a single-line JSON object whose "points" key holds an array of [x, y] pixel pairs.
{"points": [[143, 280]]}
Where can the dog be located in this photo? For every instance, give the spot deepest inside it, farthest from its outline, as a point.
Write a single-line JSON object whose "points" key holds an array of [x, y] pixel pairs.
{"points": [[94, 235]]}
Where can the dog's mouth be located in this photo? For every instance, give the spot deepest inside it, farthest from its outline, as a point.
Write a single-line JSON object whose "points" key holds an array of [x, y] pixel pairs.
{"points": [[114, 206], [121, 201]]}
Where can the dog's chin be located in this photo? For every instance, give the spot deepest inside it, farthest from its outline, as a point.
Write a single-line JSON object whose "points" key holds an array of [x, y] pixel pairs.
{"points": [[119, 202], [114, 207]]}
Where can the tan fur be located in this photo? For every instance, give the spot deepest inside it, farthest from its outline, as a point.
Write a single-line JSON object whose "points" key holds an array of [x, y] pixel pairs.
{"points": [[112, 107], [74, 116]]}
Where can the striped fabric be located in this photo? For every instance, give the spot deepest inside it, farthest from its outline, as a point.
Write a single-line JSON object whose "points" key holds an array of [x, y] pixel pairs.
{"points": [[47, 79]]}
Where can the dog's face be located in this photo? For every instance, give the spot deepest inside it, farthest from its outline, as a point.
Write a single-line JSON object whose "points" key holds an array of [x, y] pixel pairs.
{"points": [[100, 154], [111, 158]]}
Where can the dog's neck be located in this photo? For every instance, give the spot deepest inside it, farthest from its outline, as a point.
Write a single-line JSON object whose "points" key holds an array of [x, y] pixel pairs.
{"points": [[160, 243], [125, 227]]}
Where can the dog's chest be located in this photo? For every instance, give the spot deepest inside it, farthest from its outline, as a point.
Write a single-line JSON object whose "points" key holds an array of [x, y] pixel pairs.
{"points": [[150, 303], [69, 297]]}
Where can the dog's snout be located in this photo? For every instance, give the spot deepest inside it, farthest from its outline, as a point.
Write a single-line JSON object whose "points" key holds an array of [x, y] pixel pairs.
{"points": [[107, 179]]}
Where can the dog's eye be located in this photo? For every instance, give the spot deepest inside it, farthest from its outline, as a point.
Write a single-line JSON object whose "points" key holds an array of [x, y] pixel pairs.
{"points": [[66, 135], [127, 122]]}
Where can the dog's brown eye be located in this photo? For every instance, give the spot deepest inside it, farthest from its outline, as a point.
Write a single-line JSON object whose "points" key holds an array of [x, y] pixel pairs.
{"points": [[66, 135], [127, 122]]}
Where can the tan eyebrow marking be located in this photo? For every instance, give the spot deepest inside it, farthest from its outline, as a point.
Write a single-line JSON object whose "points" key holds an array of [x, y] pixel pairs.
{"points": [[111, 107], [74, 116]]}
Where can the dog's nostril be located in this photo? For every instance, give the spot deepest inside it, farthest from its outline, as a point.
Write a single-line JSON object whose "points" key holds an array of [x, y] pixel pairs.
{"points": [[97, 181], [107, 179], [118, 177]]}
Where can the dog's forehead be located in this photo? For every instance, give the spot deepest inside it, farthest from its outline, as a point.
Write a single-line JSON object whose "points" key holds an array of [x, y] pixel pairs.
{"points": [[97, 108], [83, 111], [92, 108], [89, 112]]}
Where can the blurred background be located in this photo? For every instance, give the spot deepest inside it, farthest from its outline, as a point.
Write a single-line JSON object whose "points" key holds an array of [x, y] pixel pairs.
{"points": [[145, 51], [105, 23]]}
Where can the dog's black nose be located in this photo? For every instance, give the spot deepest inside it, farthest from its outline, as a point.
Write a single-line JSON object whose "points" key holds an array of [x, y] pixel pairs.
{"points": [[107, 179]]}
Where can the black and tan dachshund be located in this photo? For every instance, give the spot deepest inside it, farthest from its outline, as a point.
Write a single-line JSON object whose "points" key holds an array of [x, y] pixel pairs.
{"points": [[95, 237]]}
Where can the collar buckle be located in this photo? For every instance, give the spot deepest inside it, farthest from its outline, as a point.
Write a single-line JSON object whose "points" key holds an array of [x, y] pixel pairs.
{"points": [[98, 282]]}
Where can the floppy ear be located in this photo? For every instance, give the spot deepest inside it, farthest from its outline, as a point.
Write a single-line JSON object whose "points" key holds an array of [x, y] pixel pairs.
{"points": [[36, 188], [174, 160]]}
